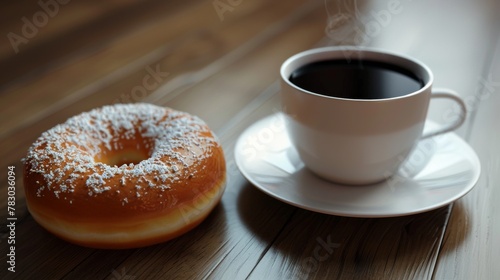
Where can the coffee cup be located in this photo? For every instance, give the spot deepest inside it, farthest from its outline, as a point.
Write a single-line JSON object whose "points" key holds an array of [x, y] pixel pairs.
{"points": [[355, 114]]}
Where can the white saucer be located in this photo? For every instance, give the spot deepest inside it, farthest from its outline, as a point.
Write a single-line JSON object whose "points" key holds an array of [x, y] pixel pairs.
{"points": [[439, 171]]}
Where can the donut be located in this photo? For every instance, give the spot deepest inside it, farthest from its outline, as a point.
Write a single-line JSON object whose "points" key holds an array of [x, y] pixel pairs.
{"points": [[124, 176]]}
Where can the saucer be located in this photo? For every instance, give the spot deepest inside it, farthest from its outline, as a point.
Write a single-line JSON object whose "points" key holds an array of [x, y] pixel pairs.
{"points": [[439, 171]]}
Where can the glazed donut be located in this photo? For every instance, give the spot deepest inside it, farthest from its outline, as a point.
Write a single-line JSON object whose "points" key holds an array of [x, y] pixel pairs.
{"points": [[124, 176]]}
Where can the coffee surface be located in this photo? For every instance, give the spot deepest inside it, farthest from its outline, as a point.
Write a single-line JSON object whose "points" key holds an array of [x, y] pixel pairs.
{"points": [[356, 79]]}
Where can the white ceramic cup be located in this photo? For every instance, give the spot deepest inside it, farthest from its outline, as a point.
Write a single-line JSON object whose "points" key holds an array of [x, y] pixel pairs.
{"points": [[358, 141]]}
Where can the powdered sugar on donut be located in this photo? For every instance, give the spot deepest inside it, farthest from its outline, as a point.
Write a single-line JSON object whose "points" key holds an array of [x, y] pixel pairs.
{"points": [[66, 154]]}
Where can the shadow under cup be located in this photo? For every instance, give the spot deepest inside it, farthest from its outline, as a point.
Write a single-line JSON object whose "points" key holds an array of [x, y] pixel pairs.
{"points": [[350, 139]]}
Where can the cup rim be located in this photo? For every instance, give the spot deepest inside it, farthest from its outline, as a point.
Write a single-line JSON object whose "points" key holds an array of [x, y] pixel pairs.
{"points": [[318, 54]]}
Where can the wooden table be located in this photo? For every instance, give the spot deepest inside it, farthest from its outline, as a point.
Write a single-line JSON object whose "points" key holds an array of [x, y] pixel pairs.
{"points": [[219, 59]]}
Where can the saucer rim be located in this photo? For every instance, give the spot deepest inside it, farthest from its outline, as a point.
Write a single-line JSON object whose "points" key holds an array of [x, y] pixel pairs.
{"points": [[466, 189]]}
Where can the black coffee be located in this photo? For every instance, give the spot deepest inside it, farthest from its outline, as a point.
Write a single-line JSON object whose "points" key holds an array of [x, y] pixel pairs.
{"points": [[356, 79]]}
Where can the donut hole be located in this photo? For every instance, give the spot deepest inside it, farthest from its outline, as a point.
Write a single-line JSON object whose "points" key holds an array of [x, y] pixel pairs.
{"points": [[123, 150], [122, 157]]}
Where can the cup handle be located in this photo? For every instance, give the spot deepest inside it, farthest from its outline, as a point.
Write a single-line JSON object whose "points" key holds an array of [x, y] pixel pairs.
{"points": [[447, 93]]}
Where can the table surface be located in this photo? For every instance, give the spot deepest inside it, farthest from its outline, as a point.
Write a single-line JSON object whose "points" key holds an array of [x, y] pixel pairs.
{"points": [[219, 60]]}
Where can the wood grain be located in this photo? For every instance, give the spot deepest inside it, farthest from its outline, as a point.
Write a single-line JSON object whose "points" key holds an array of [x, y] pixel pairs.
{"points": [[477, 231], [223, 67]]}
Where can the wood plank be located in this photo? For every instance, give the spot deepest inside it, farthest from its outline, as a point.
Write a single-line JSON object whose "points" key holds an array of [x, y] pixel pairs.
{"points": [[40, 255], [317, 246], [225, 70], [223, 240], [455, 49], [66, 85], [236, 84], [113, 54], [472, 245], [107, 94], [182, 57], [37, 22], [287, 259], [80, 27], [225, 244], [226, 232], [238, 199], [360, 244]]}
